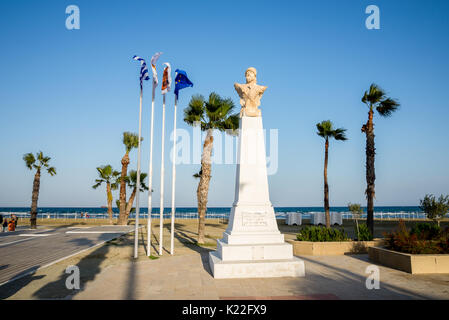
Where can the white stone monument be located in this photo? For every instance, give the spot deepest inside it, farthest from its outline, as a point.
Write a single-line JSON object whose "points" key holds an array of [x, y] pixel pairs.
{"points": [[252, 246]]}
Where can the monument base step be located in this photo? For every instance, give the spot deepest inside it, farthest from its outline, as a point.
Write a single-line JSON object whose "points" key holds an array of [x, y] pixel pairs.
{"points": [[252, 237], [267, 251], [255, 268]]}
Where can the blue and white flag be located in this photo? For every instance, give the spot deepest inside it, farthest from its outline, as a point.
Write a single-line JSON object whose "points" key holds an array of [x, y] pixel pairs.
{"points": [[143, 69]]}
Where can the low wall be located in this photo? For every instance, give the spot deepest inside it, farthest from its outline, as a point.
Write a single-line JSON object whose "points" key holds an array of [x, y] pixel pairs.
{"points": [[332, 248], [411, 263]]}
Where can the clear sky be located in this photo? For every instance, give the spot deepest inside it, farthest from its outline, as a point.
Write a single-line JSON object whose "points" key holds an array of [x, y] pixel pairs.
{"points": [[71, 93]]}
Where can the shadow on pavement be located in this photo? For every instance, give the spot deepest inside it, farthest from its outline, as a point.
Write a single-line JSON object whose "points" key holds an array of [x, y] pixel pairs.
{"points": [[11, 288], [89, 266], [345, 281]]}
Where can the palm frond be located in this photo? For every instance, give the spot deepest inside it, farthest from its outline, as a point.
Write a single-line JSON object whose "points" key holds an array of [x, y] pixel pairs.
{"points": [[194, 112], [324, 128], [115, 180], [45, 161], [229, 124], [340, 134], [374, 95], [29, 160], [51, 171], [387, 107], [98, 183], [131, 140]]}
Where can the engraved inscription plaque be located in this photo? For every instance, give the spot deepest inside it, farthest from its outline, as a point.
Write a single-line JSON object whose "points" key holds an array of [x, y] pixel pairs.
{"points": [[254, 219]]}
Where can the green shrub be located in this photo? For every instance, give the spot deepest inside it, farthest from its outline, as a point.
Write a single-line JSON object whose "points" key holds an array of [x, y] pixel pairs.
{"points": [[426, 231], [404, 241], [364, 233], [435, 209], [321, 234]]}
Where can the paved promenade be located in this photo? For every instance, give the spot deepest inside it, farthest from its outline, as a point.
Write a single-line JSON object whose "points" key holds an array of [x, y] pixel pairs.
{"points": [[24, 251], [108, 271], [188, 277]]}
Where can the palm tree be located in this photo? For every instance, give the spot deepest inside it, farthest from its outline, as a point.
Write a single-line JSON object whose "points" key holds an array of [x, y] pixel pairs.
{"points": [[130, 140], [374, 98], [216, 113], [326, 131], [39, 162], [110, 177], [131, 180]]}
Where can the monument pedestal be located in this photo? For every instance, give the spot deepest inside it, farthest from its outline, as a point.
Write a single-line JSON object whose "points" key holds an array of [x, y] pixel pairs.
{"points": [[252, 246]]}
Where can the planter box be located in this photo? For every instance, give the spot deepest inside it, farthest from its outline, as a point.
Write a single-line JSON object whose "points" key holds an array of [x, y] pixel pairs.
{"points": [[411, 263], [310, 248]]}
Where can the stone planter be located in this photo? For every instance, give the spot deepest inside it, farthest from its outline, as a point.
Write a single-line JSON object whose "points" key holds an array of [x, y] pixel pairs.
{"points": [[332, 248], [411, 263]]}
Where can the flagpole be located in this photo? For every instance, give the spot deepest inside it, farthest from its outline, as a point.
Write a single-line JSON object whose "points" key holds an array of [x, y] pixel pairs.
{"points": [[173, 188], [161, 210], [150, 181], [136, 230]]}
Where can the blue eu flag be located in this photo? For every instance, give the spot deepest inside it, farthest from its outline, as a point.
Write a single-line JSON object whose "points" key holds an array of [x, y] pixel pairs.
{"points": [[181, 81]]}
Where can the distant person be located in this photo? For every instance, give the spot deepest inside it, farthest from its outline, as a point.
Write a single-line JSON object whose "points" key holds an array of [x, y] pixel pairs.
{"points": [[15, 219], [1, 219], [5, 225], [11, 225]]}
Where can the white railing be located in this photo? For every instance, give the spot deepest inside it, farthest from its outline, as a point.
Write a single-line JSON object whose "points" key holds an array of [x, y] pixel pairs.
{"points": [[94, 216], [209, 215]]}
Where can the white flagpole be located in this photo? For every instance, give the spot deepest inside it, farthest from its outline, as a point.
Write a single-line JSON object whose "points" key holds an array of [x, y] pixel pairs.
{"points": [[161, 210], [136, 230], [173, 188], [150, 181]]}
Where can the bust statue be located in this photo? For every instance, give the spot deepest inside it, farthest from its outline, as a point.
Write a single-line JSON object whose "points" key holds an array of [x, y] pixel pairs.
{"points": [[250, 94]]}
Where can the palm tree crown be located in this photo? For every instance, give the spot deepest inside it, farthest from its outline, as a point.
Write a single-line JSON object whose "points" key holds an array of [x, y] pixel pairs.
{"points": [[132, 180], [130, 140], [215, 113], [38, 162], [326, 130], [108, 175], [375, 97]]}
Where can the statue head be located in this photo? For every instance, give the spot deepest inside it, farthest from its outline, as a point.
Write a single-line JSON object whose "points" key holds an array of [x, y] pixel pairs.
{"points": [[251, 75]]}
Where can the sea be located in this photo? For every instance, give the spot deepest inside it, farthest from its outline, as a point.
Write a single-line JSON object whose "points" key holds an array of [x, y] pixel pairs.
{"points": [[395, 212]]}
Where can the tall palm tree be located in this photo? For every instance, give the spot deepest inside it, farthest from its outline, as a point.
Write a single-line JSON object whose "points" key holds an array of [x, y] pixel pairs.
{"points": [[327, 131], [110, 177], [39, 163], [374, 98], [215, 113], [131, 141], [131, 180]]}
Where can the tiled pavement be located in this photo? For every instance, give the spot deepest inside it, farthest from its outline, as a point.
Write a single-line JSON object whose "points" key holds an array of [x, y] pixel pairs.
{"points": [[188, 277]]}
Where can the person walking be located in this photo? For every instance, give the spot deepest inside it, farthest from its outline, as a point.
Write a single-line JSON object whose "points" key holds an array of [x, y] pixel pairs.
{"points": [[5, 225]]}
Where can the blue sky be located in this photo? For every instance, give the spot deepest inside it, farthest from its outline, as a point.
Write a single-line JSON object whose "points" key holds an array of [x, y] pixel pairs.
{"points": [[71, 93]]}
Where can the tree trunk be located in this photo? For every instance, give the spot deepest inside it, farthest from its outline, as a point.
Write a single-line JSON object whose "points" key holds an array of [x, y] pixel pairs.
{"points": [[129, 206], [203, 186], [326, 186], [368, 128], [34, 198], [109, 195], [122, 220]]}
